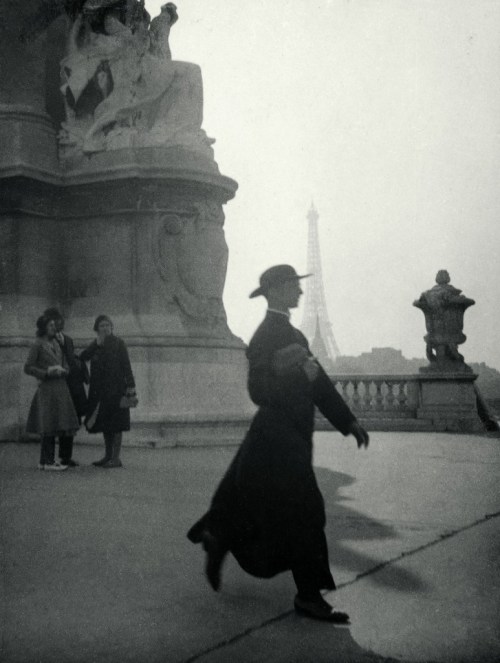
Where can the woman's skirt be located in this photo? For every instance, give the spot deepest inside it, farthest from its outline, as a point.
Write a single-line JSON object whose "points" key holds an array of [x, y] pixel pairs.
{"points": [[52, 412]]}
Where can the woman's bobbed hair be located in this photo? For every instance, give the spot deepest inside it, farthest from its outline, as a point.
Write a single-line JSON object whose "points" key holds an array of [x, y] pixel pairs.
{"points": [[99, 319], [53, 314], [41, 325]]}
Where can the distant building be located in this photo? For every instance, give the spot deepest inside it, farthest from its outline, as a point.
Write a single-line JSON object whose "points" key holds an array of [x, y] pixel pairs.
{"points": [[378, 361]]}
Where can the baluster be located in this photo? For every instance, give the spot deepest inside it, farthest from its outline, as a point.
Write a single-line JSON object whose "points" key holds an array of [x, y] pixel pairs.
{"points": [[364, 400], [345, 392], [367, 401], [391, 397], [379, 396], [412, 395], [369, 395], [339, 386], [355, 396], [402, 396], [342, 386]]}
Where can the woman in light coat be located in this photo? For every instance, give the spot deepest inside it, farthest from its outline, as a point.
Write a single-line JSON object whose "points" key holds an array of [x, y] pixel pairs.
{"points": [[52, 413]]}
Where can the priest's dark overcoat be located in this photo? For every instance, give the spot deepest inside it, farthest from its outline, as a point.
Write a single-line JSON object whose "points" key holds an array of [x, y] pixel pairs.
{"points": [[268, 509]]}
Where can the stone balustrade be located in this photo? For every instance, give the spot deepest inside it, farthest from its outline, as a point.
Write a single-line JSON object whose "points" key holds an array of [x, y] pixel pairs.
{"points": [[408, 402], [380, 402], [386, 395]]}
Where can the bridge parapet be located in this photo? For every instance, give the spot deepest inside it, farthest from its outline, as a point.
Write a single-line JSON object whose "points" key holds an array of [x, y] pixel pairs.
{"points": [[418, 402]]}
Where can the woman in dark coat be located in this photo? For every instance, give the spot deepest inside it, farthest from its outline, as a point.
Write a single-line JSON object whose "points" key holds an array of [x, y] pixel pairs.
{"points": [[268, 510], [52, 413], [111, 384]]}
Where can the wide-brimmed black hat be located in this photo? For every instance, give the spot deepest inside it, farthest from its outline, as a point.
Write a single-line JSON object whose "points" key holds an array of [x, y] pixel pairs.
{"points": [[275, 275]]}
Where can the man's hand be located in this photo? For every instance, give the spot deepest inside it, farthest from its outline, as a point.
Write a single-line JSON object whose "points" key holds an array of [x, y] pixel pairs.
{"points": [[362, 437]]}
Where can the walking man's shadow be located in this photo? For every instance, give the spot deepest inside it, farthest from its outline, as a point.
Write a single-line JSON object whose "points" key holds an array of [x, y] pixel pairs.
{"points": [[343, 524]]}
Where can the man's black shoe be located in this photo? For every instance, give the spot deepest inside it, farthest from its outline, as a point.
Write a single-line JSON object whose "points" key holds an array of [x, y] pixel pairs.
{"points": [[319, 609], [215, 556]]}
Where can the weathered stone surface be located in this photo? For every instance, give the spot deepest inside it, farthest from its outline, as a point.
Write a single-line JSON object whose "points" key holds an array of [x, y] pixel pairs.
{"points": [[450, 402], [27, 135], [122, 89], [444, 307], [447, 395], [134, 229]]}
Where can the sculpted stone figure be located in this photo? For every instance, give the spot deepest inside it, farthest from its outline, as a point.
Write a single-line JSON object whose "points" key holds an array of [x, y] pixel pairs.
{"points": [[121, 87], [159, 31], [444, 306]]}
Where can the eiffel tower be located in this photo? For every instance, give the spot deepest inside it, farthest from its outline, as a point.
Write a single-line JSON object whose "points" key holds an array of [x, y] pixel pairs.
{"points": [[315, 323]]}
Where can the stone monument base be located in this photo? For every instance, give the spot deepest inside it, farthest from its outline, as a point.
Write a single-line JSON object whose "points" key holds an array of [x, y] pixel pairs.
{"points": [[138, 235], [449, 401], [187, 396]]}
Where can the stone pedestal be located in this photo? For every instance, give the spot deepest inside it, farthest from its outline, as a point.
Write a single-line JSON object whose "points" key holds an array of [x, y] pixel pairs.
{"points": [[133, 229], [137, 235], [449, 401]]}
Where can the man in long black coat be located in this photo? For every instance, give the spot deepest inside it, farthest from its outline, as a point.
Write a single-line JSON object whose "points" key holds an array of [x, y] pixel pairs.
{"points": [[268, 510]]}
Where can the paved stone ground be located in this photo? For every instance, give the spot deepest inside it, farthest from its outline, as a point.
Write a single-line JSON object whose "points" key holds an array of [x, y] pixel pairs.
{"points": [[95, 566]]}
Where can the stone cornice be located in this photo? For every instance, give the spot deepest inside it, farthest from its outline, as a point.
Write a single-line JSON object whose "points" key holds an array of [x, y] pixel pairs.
{"points": [[230, 342], [45, 194], [129, 173]]}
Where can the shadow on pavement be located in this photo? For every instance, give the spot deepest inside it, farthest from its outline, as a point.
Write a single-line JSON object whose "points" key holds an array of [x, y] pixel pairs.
{"points": [[96, 567], [344, 524], [294, 640]]}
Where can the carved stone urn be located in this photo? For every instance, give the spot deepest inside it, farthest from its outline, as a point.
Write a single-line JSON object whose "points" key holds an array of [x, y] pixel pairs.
{"points": [[444, 307]]}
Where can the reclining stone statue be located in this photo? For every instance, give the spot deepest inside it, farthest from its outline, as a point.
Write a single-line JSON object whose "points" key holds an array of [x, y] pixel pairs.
{"points": [[120, 86]]}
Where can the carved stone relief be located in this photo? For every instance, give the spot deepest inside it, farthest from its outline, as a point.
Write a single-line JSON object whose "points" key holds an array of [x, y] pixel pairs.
{"points": [[190, 254]]}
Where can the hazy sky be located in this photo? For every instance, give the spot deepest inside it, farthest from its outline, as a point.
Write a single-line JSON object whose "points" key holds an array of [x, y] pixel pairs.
{"points": [[386, 113]]}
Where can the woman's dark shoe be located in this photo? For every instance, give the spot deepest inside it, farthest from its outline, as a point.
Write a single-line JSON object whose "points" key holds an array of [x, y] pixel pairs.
{"points": [[115, 444], [215, 556], [319, 609], [110, 464], [100, 463]]}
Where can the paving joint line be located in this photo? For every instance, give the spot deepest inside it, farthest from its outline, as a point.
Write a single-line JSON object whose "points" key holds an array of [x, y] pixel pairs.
{"points": [[359, 576], [424, 546]]}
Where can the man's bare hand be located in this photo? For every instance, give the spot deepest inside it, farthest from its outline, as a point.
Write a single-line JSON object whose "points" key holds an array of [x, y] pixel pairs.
{"points": [[362, 437]]}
